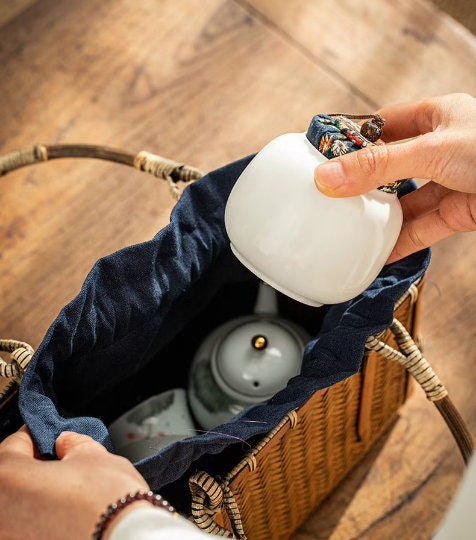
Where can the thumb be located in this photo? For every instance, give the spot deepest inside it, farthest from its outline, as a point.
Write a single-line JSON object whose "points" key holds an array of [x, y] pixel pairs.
{"points": [[368, 168], [69, 442]]}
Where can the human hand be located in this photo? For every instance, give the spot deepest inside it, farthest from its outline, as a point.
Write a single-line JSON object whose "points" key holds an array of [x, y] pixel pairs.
{"points": [[433, 139], [61, 499]]}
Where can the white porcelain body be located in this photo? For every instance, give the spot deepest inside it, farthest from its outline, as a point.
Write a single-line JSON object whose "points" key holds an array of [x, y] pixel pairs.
{"points": [[313, 248]]}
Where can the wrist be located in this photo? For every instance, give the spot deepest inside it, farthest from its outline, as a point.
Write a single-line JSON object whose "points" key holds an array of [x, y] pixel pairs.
{"points": [[125, 505], [119, 516]]}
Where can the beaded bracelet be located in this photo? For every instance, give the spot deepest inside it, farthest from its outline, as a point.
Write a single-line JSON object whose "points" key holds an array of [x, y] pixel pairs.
{"points": [[120, 504]]}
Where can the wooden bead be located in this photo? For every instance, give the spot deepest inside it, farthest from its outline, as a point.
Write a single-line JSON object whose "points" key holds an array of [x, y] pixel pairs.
{"points": [[372, 129]]}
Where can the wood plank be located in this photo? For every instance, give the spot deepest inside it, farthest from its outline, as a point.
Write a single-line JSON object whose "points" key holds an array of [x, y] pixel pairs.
{"points": [[388, 51], [13, 8], [460, 10]]}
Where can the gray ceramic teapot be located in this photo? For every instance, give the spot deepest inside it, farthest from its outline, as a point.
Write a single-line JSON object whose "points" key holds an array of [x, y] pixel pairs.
{"points": [[244, 361]]}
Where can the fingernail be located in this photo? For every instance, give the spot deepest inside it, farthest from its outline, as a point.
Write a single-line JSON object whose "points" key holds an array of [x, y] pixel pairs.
{"points": [[329, 175]]}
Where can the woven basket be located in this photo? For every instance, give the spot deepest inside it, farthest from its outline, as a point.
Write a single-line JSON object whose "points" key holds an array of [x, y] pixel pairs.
{"points": [[311, 450], [314, 447]]}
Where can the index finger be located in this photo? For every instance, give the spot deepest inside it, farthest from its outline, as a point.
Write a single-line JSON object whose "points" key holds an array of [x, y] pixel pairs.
{"points": [[19, 442]]}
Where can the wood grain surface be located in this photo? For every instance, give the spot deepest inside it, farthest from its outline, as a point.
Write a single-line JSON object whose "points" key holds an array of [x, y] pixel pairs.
{"points": [[205, 83]]}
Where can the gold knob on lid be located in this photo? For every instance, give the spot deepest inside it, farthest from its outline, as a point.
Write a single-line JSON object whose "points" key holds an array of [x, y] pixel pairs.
{"points": [[259, 342]]}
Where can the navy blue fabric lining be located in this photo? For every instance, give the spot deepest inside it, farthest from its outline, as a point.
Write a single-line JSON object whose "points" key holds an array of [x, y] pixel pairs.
{"points": [[135, 301]]}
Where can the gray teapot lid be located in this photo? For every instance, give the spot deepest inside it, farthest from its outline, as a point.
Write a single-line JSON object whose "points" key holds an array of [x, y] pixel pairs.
{"points": [[256, 359]]}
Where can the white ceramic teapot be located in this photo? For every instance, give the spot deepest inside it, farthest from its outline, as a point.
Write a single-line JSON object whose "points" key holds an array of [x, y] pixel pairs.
{"points": [[244, 361], [315, 249]]}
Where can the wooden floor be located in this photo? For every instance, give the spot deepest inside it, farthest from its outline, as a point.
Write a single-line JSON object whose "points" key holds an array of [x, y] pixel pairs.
{"points": [[207, 82]]}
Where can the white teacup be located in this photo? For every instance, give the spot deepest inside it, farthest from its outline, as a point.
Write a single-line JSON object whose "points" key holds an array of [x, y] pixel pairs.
{"points": [[153, 424], [315, 249]]}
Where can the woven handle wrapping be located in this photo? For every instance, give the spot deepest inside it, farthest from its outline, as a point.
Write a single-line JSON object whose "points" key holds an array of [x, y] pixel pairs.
{"points": [[172, 172], [411, 357], [160, 167]]}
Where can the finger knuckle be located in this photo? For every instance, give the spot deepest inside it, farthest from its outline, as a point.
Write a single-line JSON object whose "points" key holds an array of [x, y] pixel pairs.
{"points": [[415, 237], [372, 160], [458, 212]]}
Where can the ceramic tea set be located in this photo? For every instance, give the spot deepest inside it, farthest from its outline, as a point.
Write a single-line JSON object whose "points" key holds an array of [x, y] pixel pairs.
{"points": [[314, 249], [243, 361]]}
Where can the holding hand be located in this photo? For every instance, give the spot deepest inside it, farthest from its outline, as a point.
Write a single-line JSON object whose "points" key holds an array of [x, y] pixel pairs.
{"points": [[441, 135], [60, 499]]}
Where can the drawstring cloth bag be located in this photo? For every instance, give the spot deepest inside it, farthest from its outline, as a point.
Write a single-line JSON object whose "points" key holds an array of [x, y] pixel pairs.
{"points": [[132, 330]]}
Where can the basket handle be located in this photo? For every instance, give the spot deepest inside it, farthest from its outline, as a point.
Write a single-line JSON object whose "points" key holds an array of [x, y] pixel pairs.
{"points": [[210, 497], [411, 357], [167, 169], [20, 355]]}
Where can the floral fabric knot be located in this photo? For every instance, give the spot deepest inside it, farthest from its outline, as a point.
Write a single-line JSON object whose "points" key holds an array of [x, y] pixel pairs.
{"points": [[335, 136]]}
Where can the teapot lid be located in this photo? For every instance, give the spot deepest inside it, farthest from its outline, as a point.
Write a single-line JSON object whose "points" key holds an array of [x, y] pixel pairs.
{"points": [[256, 359]]}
